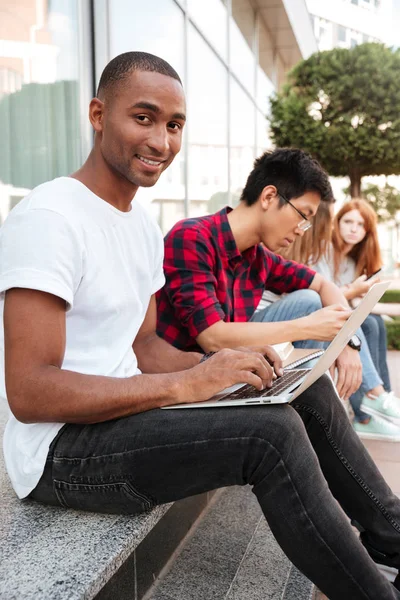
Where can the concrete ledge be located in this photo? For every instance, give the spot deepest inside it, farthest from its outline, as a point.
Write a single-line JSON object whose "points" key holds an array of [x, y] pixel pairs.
{"points": [[137, 575], [50, 553]]}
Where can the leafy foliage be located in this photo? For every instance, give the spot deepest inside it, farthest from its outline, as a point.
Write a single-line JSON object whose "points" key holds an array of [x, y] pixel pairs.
{"points": [[393, 334], [384, 200], [391, 296], [343, 106]]}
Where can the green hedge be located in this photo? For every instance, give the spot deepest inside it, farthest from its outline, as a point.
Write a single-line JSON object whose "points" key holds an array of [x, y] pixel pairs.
{"points": [[393, 333], [391, 296]]}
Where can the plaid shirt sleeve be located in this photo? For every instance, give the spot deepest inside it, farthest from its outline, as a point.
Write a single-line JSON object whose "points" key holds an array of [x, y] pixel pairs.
{"points": [[191, 284], [286, 276]]}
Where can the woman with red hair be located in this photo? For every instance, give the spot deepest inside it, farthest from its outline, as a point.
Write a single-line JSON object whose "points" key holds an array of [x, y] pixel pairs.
{"points": [[353, 256], [345, 249]]}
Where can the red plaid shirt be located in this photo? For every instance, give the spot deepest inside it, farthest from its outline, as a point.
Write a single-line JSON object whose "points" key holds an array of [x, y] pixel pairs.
{"points": [[209, 280]]}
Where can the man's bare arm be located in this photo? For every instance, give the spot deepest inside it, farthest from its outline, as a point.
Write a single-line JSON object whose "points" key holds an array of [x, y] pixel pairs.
{"points": [[321, 325], [39, 390], [154, 354]]}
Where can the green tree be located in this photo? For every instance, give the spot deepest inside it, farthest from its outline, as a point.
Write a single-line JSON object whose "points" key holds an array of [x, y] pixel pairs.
{"points": [[343, 106], [385, 201]]}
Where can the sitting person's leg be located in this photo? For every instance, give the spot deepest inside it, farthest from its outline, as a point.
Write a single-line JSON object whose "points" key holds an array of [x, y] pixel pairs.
{"points": [[158, 456], [378, 400], [323, 420], [370, 380], [295, 305], [375, 333]]}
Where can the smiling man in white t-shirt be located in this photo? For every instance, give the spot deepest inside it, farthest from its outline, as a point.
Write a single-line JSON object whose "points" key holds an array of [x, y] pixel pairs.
{"points": [[86, 375]]}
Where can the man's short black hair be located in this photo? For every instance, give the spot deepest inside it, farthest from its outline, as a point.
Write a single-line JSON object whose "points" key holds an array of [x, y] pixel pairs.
{"points": [[120, 67], [292, 171]]}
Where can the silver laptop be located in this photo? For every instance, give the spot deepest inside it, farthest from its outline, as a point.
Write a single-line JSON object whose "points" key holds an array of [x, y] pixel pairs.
{"points": [[295, 381]]}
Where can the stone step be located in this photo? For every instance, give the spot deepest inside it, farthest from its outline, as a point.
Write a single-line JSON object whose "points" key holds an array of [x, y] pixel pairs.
{"points": [[231, 555]]}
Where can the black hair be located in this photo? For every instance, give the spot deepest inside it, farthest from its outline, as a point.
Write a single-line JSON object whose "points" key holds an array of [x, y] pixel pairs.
{"points": [[120, 67], [292, 171]]}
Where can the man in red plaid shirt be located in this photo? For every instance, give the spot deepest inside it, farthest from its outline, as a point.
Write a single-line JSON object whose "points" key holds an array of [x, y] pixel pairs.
{"points": [[217, 268]]}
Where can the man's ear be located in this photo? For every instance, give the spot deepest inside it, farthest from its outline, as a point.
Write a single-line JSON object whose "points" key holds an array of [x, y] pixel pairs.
{"points": [[268, 194], [96, 113]]}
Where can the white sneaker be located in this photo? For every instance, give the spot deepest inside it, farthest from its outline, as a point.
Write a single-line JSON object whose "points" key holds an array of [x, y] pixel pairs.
{"points": [[377, 429], [386, 405]]}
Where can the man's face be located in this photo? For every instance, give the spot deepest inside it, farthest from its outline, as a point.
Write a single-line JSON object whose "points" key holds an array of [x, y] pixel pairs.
{"points": [[142, 126], [281, 224]]}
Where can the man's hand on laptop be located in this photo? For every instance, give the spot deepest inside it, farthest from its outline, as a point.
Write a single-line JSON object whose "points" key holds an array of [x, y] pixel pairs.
{"points": [[349, 372], [270, 354], [325, 323], [228, 367]]}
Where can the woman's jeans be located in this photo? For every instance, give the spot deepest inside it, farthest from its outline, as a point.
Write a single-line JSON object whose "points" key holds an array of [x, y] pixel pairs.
{"points": [[297, 457], [375, 333], [304, 302]]}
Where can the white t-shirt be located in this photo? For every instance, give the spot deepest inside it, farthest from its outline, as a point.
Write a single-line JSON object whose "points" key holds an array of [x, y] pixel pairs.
{"points": [[65, 240]]}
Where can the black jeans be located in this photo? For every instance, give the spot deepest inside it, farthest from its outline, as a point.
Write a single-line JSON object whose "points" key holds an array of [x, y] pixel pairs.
{"points": [[298, 458]]}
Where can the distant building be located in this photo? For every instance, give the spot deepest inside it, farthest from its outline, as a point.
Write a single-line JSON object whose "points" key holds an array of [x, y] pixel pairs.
{"points": [[347, 23]]}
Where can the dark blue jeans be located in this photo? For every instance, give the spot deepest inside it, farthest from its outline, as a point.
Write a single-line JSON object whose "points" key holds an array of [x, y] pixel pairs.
{"points": [[299, 458]]}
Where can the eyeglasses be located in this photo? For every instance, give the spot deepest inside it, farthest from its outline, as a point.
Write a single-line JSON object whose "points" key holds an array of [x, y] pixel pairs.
{"points": [[305, 224]]}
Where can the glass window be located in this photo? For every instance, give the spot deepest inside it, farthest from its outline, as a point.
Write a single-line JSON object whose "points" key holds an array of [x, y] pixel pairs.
{"points": [[242, 32], [207, 128], [39, 96], [263, 140], [210, 17], [242, 130], [155, 27], [133, 26], [314, 23], [341, 33], [265, 88]]}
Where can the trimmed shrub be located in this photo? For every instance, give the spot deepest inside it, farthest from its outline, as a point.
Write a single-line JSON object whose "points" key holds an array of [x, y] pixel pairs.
{"points": [[391, 296], [393, 334]]}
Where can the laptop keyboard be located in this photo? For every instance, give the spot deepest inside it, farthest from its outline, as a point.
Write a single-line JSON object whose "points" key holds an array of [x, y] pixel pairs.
{"points": [[279, 385]]}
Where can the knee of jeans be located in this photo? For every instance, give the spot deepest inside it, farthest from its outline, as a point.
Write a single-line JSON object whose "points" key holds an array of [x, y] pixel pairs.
{"points": [[323, 398], [370, 327], [279, 426], [310, 299], [380, 323]]}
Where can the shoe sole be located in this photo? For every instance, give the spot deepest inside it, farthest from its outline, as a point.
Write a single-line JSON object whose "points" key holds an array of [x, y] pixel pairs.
{"points": [[375, 413], [377, 436]]}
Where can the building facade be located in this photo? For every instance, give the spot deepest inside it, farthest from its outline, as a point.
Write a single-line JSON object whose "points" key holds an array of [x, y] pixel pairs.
{"points": [[347, 23], [231, 55]]}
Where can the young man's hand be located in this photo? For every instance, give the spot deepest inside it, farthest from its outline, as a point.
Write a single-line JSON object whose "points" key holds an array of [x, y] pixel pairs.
{"points": [[348, 365], [227, 367], [325, 323]]}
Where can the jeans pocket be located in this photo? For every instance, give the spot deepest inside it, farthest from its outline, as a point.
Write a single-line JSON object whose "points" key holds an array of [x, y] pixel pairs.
{"points": [[117, 497]]}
